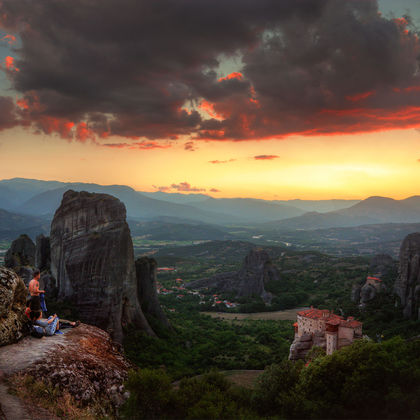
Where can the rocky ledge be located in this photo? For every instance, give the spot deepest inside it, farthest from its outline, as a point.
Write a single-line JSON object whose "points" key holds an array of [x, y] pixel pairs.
{"points": [[84, 363]]}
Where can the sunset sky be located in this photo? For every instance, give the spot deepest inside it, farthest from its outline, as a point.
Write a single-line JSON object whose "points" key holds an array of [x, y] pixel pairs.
{"points": [[310, 99]]}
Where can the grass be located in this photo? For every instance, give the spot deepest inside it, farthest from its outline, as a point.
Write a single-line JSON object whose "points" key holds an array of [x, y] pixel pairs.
{"points": [[59, 403], [287, 315]]}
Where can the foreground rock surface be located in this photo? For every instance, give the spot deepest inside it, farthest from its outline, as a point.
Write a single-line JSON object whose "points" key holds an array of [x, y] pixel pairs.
{"points": [[407, 286], [84, 362], [92, 259], [12, 306], [255, 272]]}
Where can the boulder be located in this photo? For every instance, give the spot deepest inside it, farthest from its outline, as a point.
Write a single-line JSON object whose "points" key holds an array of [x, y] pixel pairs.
{"points": [[12, 307], [92, 259], [43, 253], [407, 285], [21, 253], [146, 269], [367, 293], [255, 272]]}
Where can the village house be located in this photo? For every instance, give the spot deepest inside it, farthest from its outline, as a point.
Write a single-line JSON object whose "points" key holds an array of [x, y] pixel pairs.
{"points": [[323, 328]]}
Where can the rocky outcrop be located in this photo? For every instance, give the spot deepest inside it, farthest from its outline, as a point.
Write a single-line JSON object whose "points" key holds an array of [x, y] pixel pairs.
{"points": [[92, 259], [12, 306], [407, 286], [382, 265], [43, 253], [300, 347], [84, 363], [146, 285], [20, 253], [367, 293], [355, 293], [20, 257], [255, 272]]}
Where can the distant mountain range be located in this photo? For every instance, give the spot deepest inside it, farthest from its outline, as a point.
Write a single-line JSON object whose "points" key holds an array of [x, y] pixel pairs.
{"points": [[37, 198], [42, 198], [12, 225], [373, 210]]}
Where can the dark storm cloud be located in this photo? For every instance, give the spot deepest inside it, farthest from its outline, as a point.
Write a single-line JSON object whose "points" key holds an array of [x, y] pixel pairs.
{"points": [[94, 68]]}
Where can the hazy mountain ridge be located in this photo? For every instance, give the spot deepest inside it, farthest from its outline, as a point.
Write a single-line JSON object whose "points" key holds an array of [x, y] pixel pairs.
{"points": [[373, 210], [38, 197], [41, 198]]}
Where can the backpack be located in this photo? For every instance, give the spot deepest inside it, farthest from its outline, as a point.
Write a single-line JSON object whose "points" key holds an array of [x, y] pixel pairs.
{"points": [[37, 331]]}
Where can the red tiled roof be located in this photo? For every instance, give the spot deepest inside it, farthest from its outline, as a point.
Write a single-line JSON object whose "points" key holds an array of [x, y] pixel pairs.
{"points": [[350, 323], [314, 313], [329, 317]]}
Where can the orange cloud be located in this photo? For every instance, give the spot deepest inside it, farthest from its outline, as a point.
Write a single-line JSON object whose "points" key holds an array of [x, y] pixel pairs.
{"points": [[209, 108], [83, 132], [190, 146], [22, 103], [265, 157], [214, 190], [181, 187], [61, 126], [9, 62], [360, 96], [221, 161], [235, 75], [142, 145], [186, 187], [10, 39]]}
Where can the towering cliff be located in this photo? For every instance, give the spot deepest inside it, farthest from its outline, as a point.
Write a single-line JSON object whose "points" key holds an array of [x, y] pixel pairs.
{"points": [[147, 293], [12, 306], [92, 260], [407, 286], [43, 252], [255, 272]]}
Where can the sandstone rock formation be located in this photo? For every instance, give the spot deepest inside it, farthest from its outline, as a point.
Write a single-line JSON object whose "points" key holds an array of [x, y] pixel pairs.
{"points": [[382, 265], [43, 253], [300, 347], [92, 259], [12, 306], [20, 253], [407, 286], [20, 257], [146, 286], [355, 293], [367, 293], [255, 272]]}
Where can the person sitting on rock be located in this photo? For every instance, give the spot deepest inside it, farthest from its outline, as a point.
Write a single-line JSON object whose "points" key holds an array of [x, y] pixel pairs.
{"points": [[36, 294], [51, 325]]}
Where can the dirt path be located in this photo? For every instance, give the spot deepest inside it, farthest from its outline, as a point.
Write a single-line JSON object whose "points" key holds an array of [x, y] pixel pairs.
{"points": [[16, 357]]}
